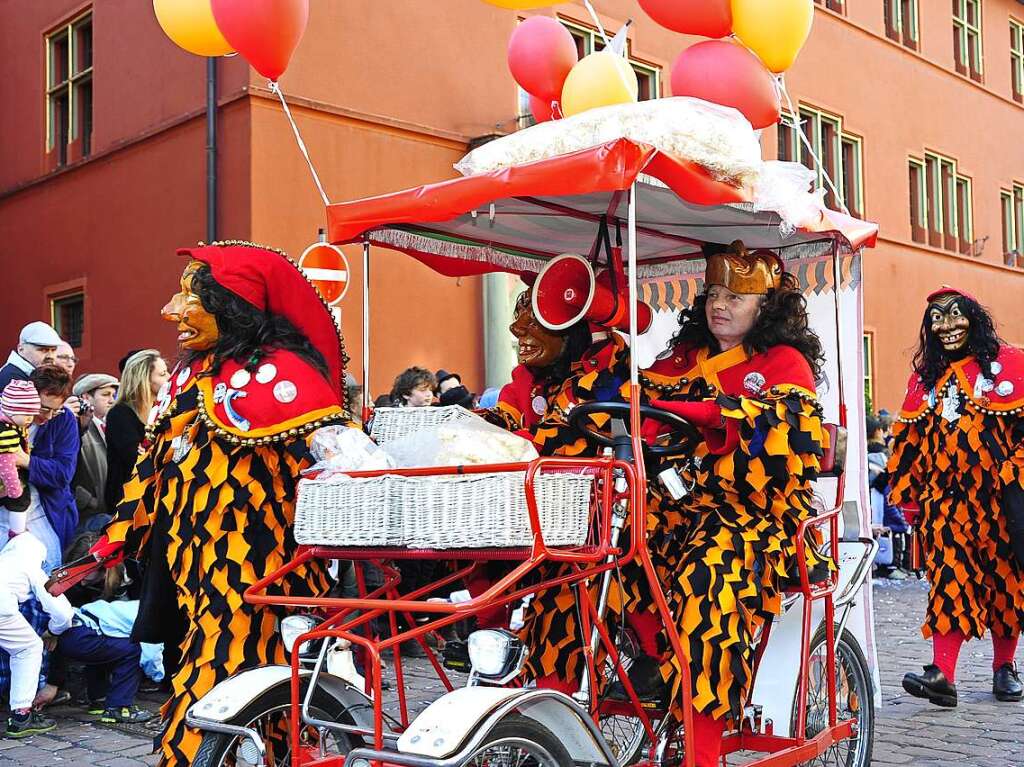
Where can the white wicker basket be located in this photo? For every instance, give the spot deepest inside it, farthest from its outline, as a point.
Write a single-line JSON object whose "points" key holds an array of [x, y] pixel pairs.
{"points": [[391, 423], [454, 511]]}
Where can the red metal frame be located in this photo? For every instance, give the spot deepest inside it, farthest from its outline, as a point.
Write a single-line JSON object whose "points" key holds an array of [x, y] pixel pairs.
{"points": [[586, 562]]}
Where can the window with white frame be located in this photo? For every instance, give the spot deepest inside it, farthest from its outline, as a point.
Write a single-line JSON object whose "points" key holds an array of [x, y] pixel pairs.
{"points": [[1012, 204], [1017, 60], [940, 204], [841, 155], [967, 50], [901, 21], [69, 88]]}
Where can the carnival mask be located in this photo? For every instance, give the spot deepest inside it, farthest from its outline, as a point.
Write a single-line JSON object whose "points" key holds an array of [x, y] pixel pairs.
{"points": [[949, 322], [538, 346], [197, 328]]}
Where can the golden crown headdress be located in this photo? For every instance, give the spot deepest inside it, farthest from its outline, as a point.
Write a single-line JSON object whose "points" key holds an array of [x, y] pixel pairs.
{"points": [[744, 271]]}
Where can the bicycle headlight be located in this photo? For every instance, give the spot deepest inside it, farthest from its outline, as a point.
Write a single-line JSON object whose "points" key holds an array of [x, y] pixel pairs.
{"points": [[295, 626], [495, 653]]}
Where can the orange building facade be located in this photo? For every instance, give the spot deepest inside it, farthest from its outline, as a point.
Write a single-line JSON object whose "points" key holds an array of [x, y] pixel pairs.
{"points": [[915, 107]]}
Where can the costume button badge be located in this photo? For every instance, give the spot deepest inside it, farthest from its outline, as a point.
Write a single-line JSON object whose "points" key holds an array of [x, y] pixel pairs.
{"points": [[285, 391], [266, 373], [754, 382], [539, 405], [1004, 389], [183, 376], [997, 368], [240, 378]]}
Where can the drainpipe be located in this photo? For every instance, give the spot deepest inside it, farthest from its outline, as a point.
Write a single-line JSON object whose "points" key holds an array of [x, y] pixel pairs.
{"points": [[499, 345], [211, 149]]}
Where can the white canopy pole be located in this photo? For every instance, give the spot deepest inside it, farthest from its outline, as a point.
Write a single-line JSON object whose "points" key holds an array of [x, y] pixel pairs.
{"points": [[634, 371], [366, 328]]}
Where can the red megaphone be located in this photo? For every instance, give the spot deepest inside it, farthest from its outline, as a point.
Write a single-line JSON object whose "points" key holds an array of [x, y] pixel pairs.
{"points": [[567, 291]]}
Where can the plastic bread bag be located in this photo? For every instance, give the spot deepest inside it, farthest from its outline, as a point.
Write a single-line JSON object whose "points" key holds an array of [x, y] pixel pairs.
{"points": [[339, 449], [716, 137], [460, 443]]}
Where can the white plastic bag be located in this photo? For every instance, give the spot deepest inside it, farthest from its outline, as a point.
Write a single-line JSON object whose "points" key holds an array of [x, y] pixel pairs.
{"points": [[715, 137], [340, 449], [460, 443]]}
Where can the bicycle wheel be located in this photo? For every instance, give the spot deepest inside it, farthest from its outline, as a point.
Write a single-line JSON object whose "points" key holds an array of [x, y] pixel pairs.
{"points": [[854, 700], [269, 715], [518, 741]]}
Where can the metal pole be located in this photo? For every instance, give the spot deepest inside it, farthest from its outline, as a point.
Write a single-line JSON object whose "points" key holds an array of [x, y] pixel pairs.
{"points": [[366, 329], [211, 149]]}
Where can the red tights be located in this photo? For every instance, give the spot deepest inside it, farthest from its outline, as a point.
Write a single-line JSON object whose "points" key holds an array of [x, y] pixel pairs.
{"points": [[946, 650]]}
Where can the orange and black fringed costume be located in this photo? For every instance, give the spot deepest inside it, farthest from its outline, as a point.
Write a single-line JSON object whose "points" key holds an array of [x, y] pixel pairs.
{"points": [[722, 551], [210, 506], [957, 447], [552, 629]]}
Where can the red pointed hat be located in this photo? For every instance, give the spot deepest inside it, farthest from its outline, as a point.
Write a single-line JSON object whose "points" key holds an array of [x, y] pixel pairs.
{"points": [[946, 290], [272, 282]]}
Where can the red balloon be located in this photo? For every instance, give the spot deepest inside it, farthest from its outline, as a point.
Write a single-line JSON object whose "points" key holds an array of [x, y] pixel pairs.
{"points": [[730, 75], [543, 110], [707, 18], [266, 32], [540, 54]]}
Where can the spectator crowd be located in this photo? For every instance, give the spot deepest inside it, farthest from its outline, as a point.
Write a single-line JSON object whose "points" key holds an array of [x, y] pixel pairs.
{"points": [[67, 444]]}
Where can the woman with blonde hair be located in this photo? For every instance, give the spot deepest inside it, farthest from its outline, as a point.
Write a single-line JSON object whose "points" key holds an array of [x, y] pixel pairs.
{"points": [[145, 372]]}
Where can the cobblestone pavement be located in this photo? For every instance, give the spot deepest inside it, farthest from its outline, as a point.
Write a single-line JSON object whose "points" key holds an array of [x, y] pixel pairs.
{"points": [[909, 732]]}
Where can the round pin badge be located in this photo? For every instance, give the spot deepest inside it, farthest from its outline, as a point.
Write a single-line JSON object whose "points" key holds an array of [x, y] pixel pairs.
{"points": [[997, 368], [1004, 389], [754, 382], [183, 376], [266, 373], [539, 405], [285, 391], [240, 378]]}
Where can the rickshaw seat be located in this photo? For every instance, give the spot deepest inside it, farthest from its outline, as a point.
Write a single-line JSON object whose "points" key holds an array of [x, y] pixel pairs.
{"points": [[833, 462]]}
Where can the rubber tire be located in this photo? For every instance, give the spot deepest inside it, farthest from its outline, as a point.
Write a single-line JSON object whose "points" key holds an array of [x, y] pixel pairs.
{"points": [[851, 645], [524, 728], [215, 744]]}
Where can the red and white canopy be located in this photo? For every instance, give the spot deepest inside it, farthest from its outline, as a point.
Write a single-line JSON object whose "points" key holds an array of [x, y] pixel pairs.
{"points": [[516, 219]]}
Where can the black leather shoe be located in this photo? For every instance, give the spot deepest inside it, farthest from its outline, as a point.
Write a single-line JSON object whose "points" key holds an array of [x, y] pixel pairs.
{"points": [[933, 685], [645, 676], [1006, 684]]}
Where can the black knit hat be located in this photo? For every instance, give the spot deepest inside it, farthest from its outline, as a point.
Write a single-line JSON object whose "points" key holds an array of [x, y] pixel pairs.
{"points": [[443, 375]]}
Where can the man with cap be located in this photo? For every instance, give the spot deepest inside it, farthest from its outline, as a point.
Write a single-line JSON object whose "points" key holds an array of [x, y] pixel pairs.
{"points": [[97, 392], [958, 454], [37, 345], [210, 505]]}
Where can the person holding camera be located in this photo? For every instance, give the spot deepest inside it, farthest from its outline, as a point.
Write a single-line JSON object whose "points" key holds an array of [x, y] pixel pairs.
{"points": [[96, 392]]}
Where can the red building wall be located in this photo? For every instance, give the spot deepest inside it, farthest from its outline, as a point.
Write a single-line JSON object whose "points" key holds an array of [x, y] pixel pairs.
{"points": [[388, 93]]}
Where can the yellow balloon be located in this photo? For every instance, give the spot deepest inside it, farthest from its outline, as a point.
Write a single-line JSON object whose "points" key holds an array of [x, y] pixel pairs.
{"points": [[775, 30], [190, 25], [598, 80], [520, 5]]}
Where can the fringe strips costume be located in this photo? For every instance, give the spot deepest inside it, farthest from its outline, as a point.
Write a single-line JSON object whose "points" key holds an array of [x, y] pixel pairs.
{"points": [[722, 550], [955, 449], [210, 505]]}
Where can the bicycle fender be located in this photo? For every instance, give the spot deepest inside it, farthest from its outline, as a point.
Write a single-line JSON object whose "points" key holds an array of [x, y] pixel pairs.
{"points": [[228, 698], [463, 717]]}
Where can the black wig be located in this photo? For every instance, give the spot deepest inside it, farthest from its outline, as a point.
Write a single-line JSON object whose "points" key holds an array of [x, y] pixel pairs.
{"points": [[931, 360], [246, 333]]}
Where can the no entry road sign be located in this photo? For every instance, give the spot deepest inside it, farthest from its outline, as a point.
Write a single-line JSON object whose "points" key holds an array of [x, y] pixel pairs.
{"points": [[327, 267]]}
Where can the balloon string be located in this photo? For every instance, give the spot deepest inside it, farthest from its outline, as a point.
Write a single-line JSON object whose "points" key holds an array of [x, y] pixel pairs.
{"points": [[794, 117], [275, 88], [597, 21]]}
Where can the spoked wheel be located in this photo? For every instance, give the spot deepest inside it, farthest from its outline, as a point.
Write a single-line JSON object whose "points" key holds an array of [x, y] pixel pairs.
{"points": [[521, 742], [625, 734], [269, 715], [854, 700]]}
